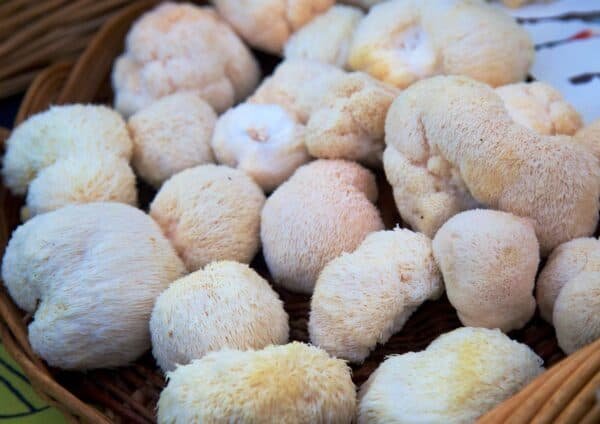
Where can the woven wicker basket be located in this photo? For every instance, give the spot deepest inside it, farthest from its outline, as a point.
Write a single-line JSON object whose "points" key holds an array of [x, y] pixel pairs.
{"points": [[565, 393]]}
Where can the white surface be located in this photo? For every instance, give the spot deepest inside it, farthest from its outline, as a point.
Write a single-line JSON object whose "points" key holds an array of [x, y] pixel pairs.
{"points": [[556, 64]]}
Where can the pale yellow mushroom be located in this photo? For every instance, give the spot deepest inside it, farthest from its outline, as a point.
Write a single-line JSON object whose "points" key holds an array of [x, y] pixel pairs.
{"points": [[458, 378], [540, 107], [403, 41], [293, 383], [326, 38]]}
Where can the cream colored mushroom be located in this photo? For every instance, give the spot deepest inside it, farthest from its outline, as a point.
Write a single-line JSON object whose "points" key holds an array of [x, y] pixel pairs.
{"points": [[59, 132], [182, 47], [326, 38], [364, 297], [324, 209], [540, 107], [262, 140], [566, 262], [225, 305], [403, 41], [267, 24], [576, 313], [170, 135], [350, 120], [298, 86], [294, 383], [89, 274], [589, 136], [210, 213], [489, 260], [458, 378], [451, 144], [81, 179]]}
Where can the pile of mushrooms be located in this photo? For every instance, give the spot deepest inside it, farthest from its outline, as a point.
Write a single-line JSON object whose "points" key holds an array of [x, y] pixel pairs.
{"points": [[491, 176]]}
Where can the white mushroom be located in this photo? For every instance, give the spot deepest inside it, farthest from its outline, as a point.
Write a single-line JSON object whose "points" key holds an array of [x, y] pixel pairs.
{"points": [[489, 260], [459, 377], [326, 38], [210, 213], [566, 262], [81, 179], [89, 274], [182, 47], [263, 140], [324, 209], [568, 292], [294, 383], [59, 132], [225, 305], [576, 314], [364, 297], [170, 135]]}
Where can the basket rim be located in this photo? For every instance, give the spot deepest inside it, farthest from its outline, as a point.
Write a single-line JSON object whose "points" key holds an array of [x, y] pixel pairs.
{"points": [[565, 391]]}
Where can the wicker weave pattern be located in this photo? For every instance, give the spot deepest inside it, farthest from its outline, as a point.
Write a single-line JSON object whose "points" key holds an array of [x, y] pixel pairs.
{"points": [[34, 34], [564, 394]]}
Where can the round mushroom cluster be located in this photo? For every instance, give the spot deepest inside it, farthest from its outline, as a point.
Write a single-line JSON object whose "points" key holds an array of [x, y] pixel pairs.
{"points": [[267, 252]]}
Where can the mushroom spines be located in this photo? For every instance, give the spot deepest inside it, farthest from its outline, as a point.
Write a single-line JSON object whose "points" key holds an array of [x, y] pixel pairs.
{"points": [[289, 383]]}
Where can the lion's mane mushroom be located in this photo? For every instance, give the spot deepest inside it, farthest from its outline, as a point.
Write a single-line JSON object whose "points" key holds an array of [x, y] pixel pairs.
{"points": [[576, 314], [267, 25], [565, 263], [327, 37], [298, 86], [451, 144], [459, 377], [293, 383], [59, 132], [81, 179], [402, 41], [182, 47], [170, 135], [540, 107], [262, 140], [589, 136], [350, 120], [361, 300], [225, 305], [568, 292], [489, 260], [95, 270], [210, 213], [324, 209]]}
